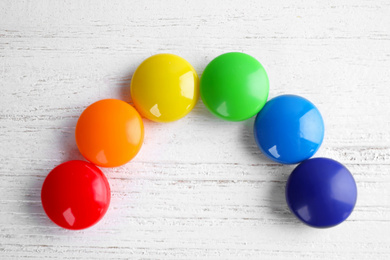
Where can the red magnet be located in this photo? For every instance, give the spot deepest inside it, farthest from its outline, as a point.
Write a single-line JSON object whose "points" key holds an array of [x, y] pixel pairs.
{"points": [[75, 195]]}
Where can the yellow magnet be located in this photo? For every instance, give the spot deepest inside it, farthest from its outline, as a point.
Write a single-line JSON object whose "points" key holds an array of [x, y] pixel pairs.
{"points": [[164, 88]]}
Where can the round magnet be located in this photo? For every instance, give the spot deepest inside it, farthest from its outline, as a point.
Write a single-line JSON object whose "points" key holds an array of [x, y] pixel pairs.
{"points": [[321, 192], [109, 133], [164, 88], [289, 129], [75, 195], [234, 86]]}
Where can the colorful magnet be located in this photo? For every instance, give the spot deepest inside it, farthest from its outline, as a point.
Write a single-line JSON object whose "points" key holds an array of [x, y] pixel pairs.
{"points": [[164, 88], [75, 195], [289, 129], [109, 133], [321, 192], [234, 86]]}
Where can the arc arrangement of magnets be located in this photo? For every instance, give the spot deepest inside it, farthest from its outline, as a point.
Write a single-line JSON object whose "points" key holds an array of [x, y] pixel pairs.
{"points": [[234, 86]]}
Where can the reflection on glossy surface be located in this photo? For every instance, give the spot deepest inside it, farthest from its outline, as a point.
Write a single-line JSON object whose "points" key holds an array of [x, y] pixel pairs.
{"points": [[321, 192], [75, 195], [273, 150], [109, 133], [164, 88], [69, 217], [289, 129], [304, 213], [234, 86]]}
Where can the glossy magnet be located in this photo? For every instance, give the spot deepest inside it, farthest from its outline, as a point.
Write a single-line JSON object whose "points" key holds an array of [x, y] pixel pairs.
{"points": [[75, 195], [234, 86], [321, 192], [164, 88], [109, 133], [289, 129]]}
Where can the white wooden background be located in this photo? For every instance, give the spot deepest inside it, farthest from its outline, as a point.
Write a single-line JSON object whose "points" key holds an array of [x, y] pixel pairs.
{"points": [[199, 188]]}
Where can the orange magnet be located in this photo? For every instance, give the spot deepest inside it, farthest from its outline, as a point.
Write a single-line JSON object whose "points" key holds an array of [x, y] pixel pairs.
{"points": [[109, 133]]}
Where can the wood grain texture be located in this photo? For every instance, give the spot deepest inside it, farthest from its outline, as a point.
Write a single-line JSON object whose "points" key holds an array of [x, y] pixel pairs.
{"points": [[199, 188]]}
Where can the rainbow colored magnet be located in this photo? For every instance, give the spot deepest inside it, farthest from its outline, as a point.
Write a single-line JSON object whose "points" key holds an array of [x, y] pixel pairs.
{"points": [[164, 88], [234, 86], [289, 129]]}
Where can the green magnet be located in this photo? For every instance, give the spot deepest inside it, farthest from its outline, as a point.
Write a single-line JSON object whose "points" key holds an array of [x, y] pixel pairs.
{"points": [[234, 86]]}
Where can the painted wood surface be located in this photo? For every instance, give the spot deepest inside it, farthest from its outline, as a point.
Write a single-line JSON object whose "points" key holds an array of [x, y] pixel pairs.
{"points": [[199, 188]]}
